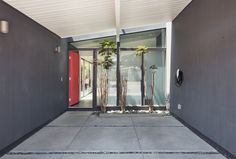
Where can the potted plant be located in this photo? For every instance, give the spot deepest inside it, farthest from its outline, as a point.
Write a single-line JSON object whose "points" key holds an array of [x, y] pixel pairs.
{"points": [[106, 50]]}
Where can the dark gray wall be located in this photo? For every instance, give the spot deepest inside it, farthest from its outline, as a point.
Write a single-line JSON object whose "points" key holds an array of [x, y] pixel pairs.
{"points": [[204, 46], [31, 91]]}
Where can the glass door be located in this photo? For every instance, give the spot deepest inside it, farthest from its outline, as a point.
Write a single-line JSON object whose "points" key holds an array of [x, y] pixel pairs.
{"points": [[86, 79]]}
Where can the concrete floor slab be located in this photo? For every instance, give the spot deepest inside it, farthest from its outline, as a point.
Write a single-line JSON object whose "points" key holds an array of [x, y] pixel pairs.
{"points": [[106, 121], [83, 135], [171, 139], [152, 121], [49, 139], [106, 138], [71, 119]]}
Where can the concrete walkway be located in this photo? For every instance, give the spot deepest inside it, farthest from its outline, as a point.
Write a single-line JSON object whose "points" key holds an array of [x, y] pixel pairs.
{"points": [[81, 135]]}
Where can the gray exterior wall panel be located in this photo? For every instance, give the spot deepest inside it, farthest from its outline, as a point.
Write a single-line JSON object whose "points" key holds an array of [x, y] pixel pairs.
{"points": [[31, 92], [204, 47]]}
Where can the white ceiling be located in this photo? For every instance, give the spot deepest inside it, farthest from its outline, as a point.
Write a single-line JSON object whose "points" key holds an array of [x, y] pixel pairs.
{"points": [[69, 18]]}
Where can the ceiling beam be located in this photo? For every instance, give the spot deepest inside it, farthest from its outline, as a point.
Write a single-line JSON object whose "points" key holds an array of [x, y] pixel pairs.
{"points": [[103, 34], [117, 17]]}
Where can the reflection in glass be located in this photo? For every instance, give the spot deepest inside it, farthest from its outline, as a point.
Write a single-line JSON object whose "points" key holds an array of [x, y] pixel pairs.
{"points": [[130, 69], [86, 77], [155, 78]]}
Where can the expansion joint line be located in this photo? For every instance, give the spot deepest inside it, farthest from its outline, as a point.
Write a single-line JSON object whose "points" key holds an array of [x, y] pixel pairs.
{"points": [[112, 152], [83, 125], [139, 144]]}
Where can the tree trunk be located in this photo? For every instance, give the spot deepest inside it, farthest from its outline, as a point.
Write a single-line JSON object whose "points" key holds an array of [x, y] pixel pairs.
{"points": [[142, 79]]}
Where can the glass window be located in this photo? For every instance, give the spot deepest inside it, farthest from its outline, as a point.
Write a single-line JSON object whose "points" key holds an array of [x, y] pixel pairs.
{"points": [[154, 63], [111, 82], [130, 68], [154, 38], [93, 43]]}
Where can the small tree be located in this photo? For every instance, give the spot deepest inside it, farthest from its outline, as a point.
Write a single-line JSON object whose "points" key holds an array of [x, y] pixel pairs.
{"points": [[107, 50], [141, 50], [123, 93]]}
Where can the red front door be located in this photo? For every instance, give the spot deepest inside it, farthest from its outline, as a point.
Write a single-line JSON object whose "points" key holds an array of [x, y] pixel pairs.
{"points": [[74, 77]]}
